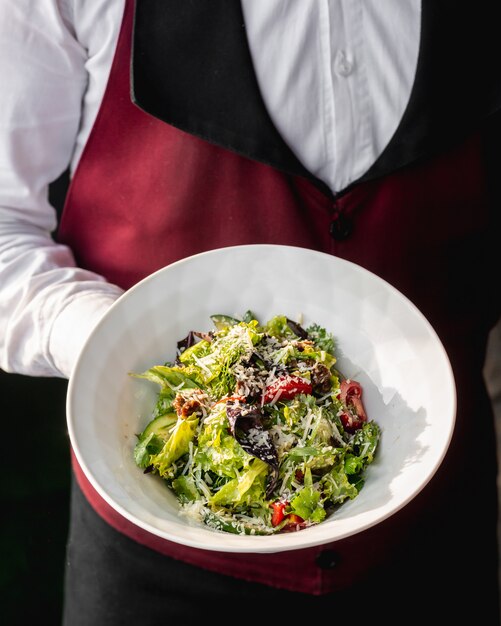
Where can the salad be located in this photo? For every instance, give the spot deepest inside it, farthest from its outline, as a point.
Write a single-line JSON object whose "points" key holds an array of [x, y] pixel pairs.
{"points": [[254, 429]]}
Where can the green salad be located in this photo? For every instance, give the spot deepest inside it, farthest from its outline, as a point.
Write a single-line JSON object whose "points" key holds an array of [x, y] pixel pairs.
{"points": [[254, 429]]}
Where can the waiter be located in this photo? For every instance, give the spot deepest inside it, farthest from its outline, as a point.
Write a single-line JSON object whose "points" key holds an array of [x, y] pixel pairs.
{"points": [[359, 128]]}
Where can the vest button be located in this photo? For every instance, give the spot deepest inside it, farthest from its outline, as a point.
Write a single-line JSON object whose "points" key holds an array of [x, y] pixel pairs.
{"points": [[328, 559], [341, 227]]}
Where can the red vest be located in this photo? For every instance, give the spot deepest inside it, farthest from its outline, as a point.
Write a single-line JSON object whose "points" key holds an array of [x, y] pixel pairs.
{"points": [[146, 194]]}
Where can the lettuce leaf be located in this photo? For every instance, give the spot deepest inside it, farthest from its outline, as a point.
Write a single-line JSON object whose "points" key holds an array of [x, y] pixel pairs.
{"points": [[235, 491], [176, 445], [307, 502]]}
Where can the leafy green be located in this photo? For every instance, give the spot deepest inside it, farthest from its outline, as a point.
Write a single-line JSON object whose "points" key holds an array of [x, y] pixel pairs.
{"points": [[322, 338], [175, 446], [171, 379], [146, 448], [236, 490], [336, 485], [306, 503], [278, 327], [185, 489]]}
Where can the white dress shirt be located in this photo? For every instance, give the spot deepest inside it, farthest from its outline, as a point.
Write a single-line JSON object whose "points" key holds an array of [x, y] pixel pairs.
{"points": [[336, 76]]}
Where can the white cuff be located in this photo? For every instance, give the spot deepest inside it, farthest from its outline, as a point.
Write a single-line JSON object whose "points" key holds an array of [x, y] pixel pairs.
{"points": [[74, 324]]}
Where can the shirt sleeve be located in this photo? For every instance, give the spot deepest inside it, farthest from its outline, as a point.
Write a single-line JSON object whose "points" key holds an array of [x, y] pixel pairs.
{"points": [[48, 306]]}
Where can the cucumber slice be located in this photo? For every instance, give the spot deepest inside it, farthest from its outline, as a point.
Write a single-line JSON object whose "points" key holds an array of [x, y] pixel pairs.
{"points": [[223, 321], [160, 426]]}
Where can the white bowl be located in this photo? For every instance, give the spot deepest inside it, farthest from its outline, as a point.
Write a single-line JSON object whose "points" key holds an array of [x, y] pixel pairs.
{"points": [[383, 341]]}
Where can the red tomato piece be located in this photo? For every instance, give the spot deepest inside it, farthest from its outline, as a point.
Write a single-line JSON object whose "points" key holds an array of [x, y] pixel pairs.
{"points": [[351, 396], [293, 522], [278, 512], [285, 388]]}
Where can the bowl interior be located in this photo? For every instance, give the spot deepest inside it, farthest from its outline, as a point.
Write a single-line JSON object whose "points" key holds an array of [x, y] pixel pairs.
{"points": [[383, 341]]}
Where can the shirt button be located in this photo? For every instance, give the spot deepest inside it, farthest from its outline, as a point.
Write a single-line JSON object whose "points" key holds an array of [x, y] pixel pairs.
{"points": [[328, 559], [341, 227], [342, 64]]}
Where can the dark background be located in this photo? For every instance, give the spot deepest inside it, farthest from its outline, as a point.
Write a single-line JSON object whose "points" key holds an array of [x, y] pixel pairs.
{"points": [[34, 486]]}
